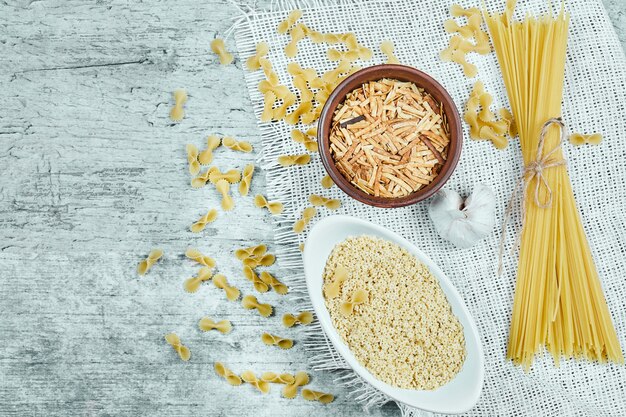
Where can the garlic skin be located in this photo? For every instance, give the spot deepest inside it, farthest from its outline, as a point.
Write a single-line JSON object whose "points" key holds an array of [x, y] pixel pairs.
{"points": [[463, 223]]}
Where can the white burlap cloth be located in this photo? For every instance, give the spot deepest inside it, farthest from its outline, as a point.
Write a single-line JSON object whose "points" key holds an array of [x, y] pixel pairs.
{"points": [[594, 101]]}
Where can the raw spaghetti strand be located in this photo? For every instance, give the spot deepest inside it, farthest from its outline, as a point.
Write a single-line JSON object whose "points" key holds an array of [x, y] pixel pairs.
{"points": [[558, 300]]}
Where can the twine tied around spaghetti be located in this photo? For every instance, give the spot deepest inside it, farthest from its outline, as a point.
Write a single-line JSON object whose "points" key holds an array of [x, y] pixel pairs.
{"points": [[534, 169]]}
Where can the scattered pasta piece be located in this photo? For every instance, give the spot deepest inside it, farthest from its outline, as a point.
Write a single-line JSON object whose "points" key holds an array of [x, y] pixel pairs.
{"points": [[253, 63], [300, 380], [506, 115], [236, 145], [387, 48], [301, 247], [220, 281], [327, 182], [174, 341], [203, 221], [251, 276], [178, 111], [482, 121], [202, 178], [223, 187], [252, 251], [218, 47], [297, 34], [224, 372], [250, 378], [303, 318], [223, 326], [274, 207], [145, 265], [273, 340], [192, 159], [192, 284], [321, 397], [359, 296], [578, 139], [329, 203], [292, 18], [232, 176], [294, 117], [265, 260], [197, 256], [333, 289], [269, 98], [273, 282], [458, 11], [470, 70], [306, 95], [473, 25], [336, 55], [307, 214], [268, 71], [295, 70], [499, 141], [300, 137], [250, 302], [206, 156], [281, 111], [275, 378], [289, 160], [246, 179]]}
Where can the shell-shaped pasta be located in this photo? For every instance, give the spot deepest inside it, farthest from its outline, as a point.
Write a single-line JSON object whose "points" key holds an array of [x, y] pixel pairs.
{"points": [[250, 378], [333, 289], [283, 27], [327, 182], [272, 339], [329, 203], [262, 48], [275, 378], [304, 318], [291, 390], [273, 282], [197, 256], [224, 372], [274, 207], [246, 179], [307, 214], [235, 145], [250, 302], [319, 396], [177, 113], [183, 352], [145, 265], [221, 282], [252, 251], [359, 296], [210, 217], [219, 48], [258, 283], [223, 326], [289, 160]]}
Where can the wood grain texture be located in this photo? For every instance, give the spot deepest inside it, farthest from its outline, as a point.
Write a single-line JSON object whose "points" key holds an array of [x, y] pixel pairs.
{"points": [[92, 176]]}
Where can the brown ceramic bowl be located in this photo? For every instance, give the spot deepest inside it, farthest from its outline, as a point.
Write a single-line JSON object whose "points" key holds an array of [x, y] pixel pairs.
{"points": [[402, 73]]}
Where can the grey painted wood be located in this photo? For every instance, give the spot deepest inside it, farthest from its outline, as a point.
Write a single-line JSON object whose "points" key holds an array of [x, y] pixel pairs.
{"points": [[92, 176]]}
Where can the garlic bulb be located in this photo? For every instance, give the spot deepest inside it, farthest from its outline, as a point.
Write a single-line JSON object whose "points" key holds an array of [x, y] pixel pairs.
{"points": [[463, 222]]}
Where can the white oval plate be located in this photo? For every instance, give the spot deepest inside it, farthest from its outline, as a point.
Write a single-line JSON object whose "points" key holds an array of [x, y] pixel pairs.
{"points": [[457, 396]]}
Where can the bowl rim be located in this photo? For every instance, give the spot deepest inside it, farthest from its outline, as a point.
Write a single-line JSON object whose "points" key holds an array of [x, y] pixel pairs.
{"points": [[403, 73]]}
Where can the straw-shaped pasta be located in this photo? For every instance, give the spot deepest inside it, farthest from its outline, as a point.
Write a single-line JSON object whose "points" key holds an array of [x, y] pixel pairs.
{"points": [[273, 282], [192, 159], [292, 18], [300, 137], [333, 289], [246, 179], [252, 251], [359, 296], [329, 203], [218, 47], [253, 64], [223, 187], [274, 207], [319, 396], [220, 281], [327, 182], [300, 380], [236, 145], [274, 340], [250, 302], [183, 351], [304, 318], [177, 113], [387, 48], [206, 156], [223, 326], [232, 176], [224, 372], [145, 265], [307, 214], [197, 256], [289, 160], [250, 378], [264, 260], [257, 282], [276, 378], [203, 221], [193, 284]]}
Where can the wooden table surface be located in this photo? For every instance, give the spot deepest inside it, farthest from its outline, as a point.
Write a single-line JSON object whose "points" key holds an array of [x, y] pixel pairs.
{"points": [[92, 176]]}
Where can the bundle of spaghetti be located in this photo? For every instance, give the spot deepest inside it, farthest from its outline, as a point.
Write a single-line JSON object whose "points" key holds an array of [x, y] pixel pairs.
{"points": [[559, 302]]}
